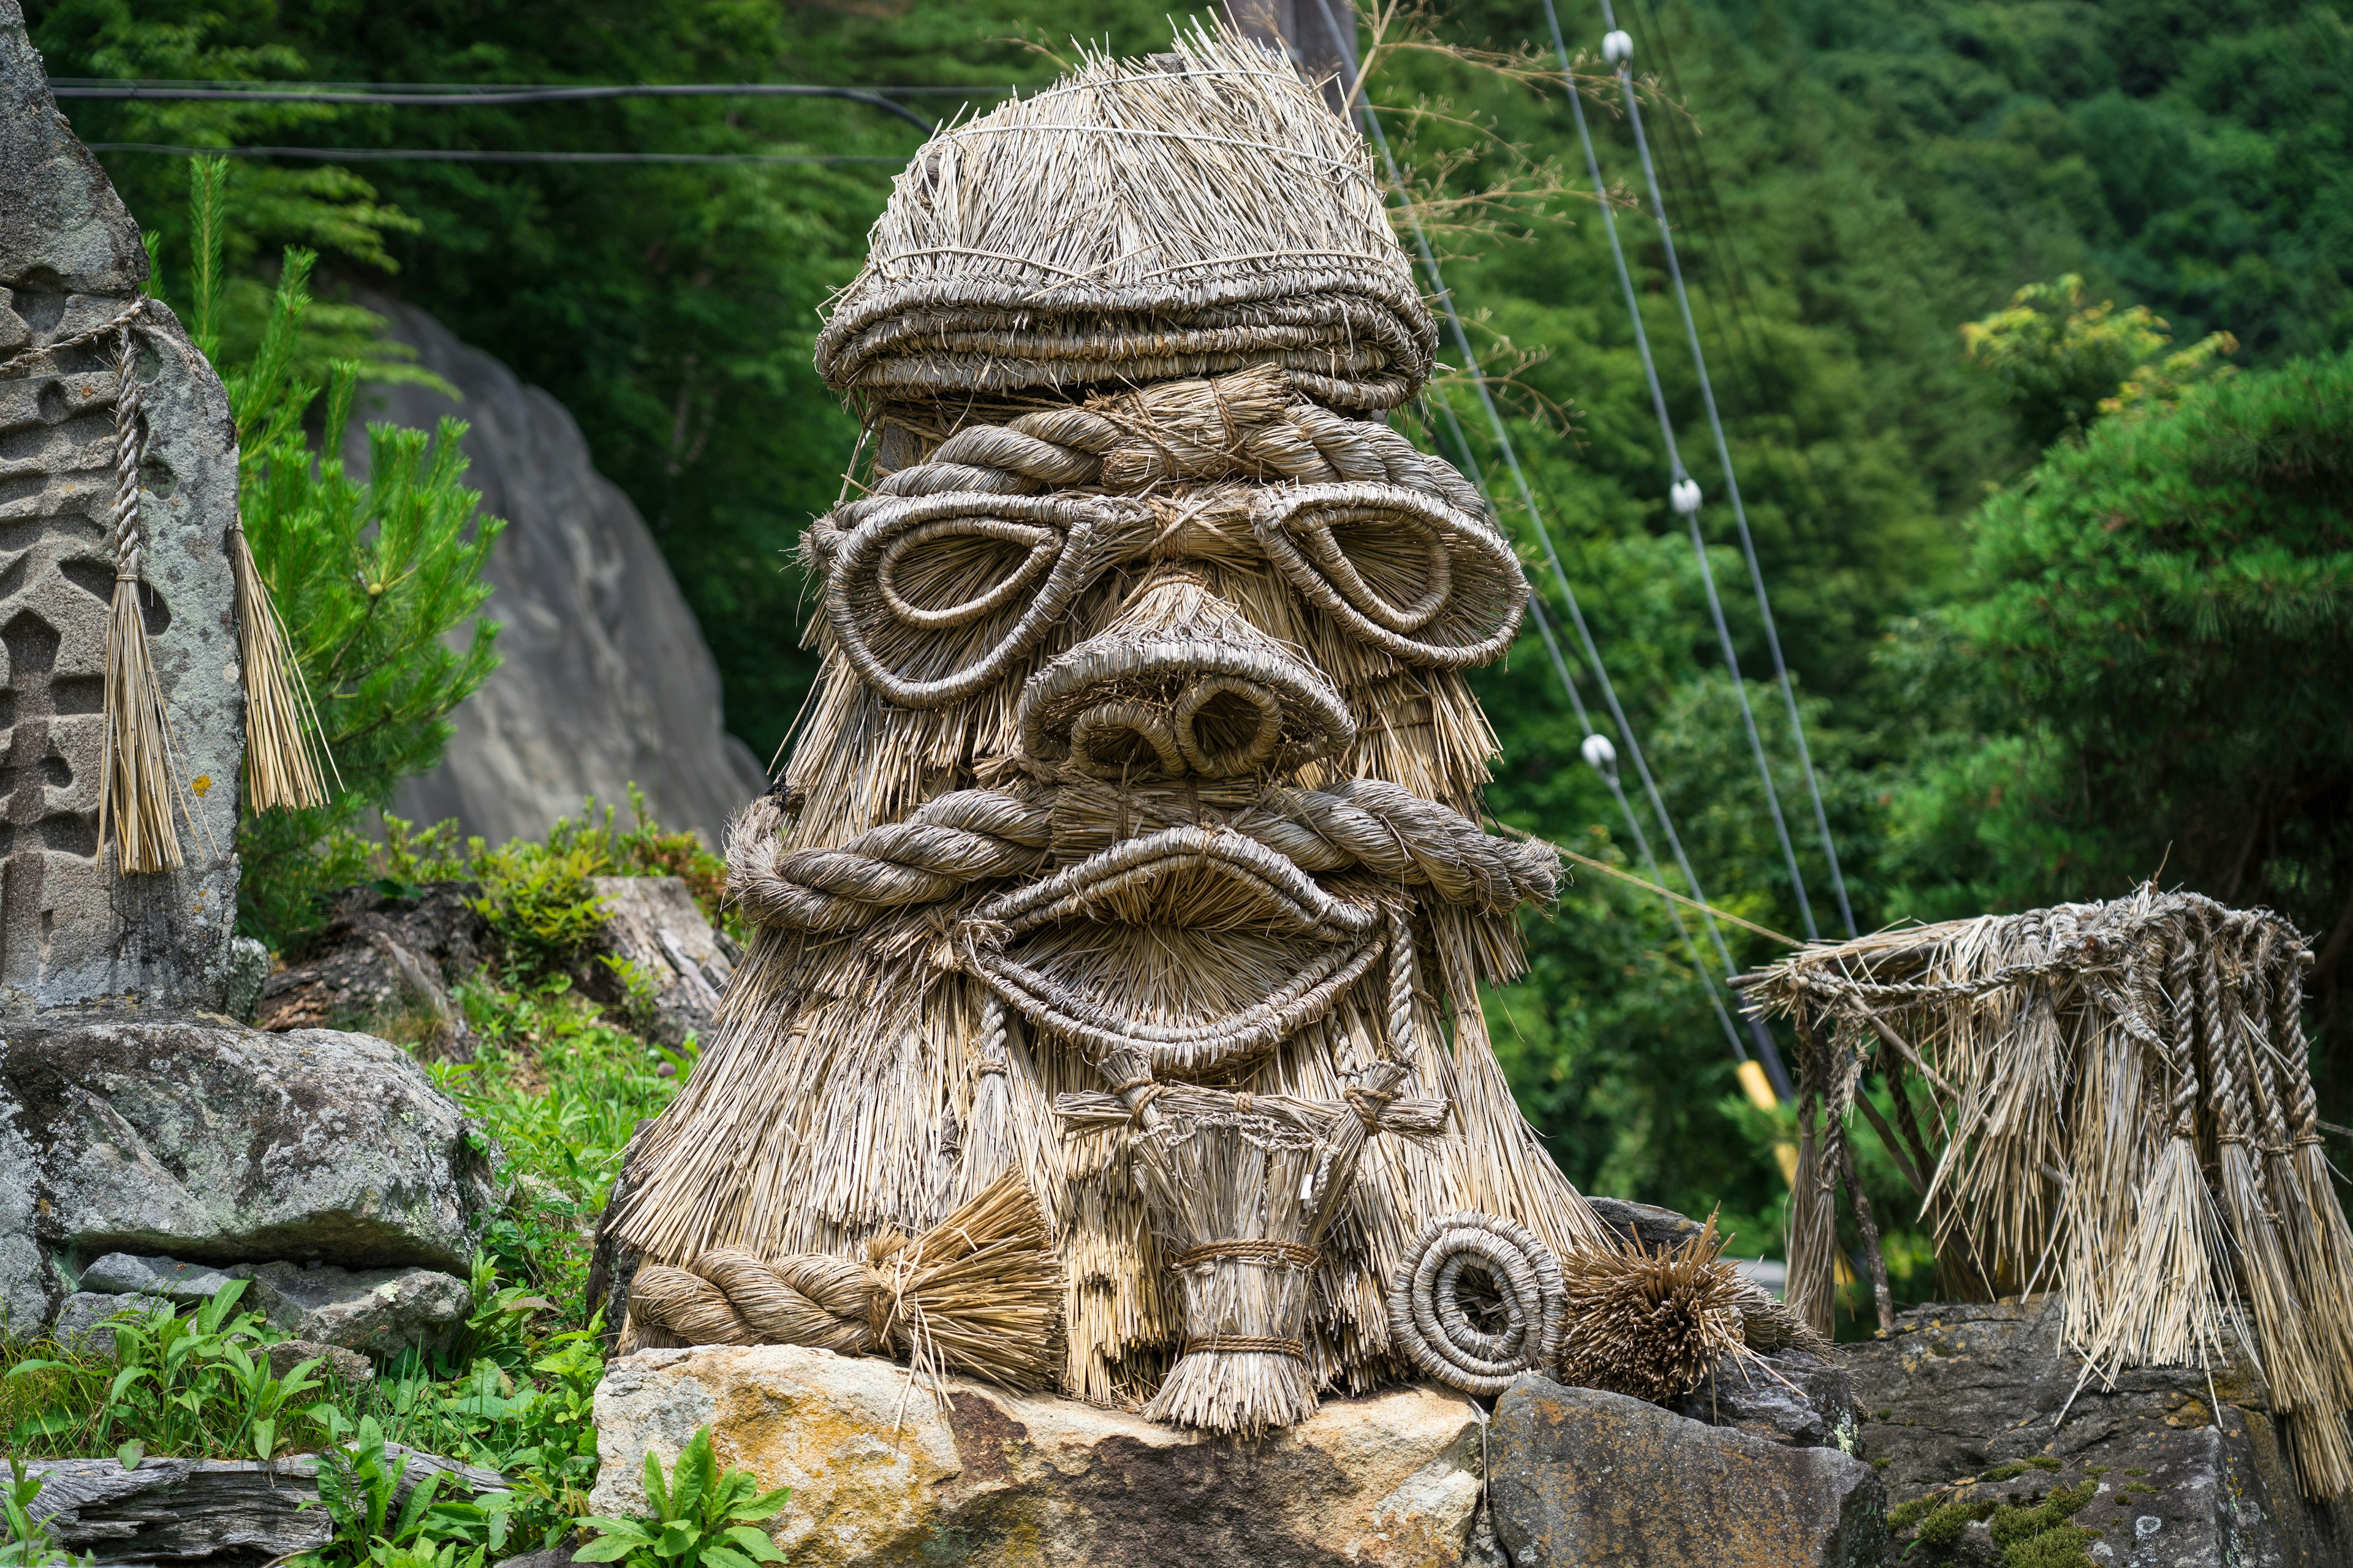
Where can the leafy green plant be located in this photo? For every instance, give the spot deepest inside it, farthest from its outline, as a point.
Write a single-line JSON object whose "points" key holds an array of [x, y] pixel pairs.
{"points": [[198, 1385], [359, 1487], [28, 1543], [699, 1518], [2061, 364]]}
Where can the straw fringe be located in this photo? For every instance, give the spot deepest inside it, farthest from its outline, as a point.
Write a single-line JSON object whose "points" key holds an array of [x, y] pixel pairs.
{"points": [[283, 740], [2091, 1064]]}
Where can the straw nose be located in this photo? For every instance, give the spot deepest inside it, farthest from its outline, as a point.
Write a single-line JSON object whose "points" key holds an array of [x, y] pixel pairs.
{"points": [[1181, 684]]}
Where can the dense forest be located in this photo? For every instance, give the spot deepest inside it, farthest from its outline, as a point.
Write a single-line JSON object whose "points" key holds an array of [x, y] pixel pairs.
{"points": [[2064, 606]]}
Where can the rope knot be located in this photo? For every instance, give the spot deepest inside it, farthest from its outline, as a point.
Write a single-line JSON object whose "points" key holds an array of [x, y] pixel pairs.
{"points": [[1368, 1104]]}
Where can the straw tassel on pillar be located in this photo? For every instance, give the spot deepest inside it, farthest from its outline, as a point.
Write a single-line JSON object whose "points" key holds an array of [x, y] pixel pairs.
{"points": [[135, 784], [282, 737]]}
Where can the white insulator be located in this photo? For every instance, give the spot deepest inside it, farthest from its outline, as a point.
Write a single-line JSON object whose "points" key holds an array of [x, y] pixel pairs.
{"points": [[1600, 756], [1684, 497], [1618, 47]]}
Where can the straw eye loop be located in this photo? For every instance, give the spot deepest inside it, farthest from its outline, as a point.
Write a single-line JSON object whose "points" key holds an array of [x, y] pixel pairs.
{"points": [[1044, 545], [1208, 710], [1398, 568]]}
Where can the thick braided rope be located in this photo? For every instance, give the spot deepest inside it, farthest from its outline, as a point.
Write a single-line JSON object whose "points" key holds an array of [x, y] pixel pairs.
{"points": [[2181, 983], [1428, 1321], [964, 837], [129, 446], [1126, 445], [975, 835], [119, 322]]}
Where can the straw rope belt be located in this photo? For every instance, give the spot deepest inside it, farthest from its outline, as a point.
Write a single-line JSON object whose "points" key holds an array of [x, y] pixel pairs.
{"points": [[1240, 1344], [971, 836], [1267, 1253], [1428, 1319]]}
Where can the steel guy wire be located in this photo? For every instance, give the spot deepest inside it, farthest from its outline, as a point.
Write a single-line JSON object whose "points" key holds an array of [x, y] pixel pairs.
{"points": [[1682, 489], [1622, 59], [1446, 306], [473, 155]]}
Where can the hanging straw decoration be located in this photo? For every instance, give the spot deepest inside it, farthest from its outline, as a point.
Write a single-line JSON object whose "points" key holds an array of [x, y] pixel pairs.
{"points": [[136, 785], [283, 736], [2128, 1119], [978, 1293]]}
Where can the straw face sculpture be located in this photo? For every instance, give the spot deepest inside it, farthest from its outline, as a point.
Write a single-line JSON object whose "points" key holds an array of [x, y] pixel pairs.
{"points": [[2123, 1113], [1132, 853]]}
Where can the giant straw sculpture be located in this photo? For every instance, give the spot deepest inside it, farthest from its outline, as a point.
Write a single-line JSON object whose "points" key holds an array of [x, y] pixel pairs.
{"points": [[1133, 843]]}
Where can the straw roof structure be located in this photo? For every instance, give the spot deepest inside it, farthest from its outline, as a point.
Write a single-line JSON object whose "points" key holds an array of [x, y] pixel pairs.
{"points": [[1132, 840], [2119, 1109]]}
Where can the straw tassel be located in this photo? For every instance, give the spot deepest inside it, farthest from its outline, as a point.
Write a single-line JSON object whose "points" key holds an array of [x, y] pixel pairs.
{"points": [[135, 781], [2310, 1186], [281, 725]]}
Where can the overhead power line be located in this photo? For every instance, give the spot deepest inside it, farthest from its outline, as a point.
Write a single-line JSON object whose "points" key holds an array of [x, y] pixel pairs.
{"points": [[473, 155], [458, 96]]}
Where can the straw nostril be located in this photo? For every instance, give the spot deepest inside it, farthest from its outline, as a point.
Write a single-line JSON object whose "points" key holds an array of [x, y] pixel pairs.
{"points": [[1113, 740], [1226, 725]]}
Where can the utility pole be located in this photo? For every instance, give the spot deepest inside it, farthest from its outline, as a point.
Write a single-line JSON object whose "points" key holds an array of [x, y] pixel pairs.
{"points": [[1311, 32]]}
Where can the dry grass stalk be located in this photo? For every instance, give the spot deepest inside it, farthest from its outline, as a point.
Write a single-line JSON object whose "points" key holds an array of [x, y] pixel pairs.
{"points": [[1651, 1325], [281, 726]]}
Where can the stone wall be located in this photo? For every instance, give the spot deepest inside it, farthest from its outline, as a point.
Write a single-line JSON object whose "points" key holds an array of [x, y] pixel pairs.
{"points": [[73, 930]]}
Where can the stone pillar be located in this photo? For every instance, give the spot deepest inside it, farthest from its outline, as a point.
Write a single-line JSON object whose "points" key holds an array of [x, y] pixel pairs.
{"points": [[74, 930]]}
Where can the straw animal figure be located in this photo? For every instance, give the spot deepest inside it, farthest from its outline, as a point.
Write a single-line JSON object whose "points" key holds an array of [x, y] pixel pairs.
{"points": [[2121, 1114], [1133, 842]]}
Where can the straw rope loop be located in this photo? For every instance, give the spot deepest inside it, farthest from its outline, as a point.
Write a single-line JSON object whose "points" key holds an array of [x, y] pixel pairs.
{"points": [[1272, 1254], [130, 447], [1469, 593], [1245, 1344], [1431, 1305]]}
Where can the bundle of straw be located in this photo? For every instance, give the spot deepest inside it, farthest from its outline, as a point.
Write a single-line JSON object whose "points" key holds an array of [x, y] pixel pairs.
{"points": [[979, 1293], [281, 726], [2128, 1119], [1136, 224], [1651, 1324], [136, 785]]}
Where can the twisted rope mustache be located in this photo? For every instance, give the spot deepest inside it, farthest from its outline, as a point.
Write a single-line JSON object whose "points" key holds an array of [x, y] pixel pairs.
{"points": [[981, 835]]}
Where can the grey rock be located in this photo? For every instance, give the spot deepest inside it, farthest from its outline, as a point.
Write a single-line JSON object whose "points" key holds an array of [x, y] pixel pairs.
{"points": [[1792, 1397], [86, 1322], [380, 1311], [607, 679], [1577, 1475], [125, 1272], [190, 1510], [67, 229], [74, 932], [353, 1369], [560, 1558], [655, 923], [1646, 1223], [1957, 1390], [385, 962], [249, 971], [213, 1144]]}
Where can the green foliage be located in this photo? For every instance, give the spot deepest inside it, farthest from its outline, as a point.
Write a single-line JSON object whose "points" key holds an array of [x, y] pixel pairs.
{"points": [[2060, 363], [28, 1543], [197, 1385], [700, 1518], [359, 1487], [2146, 670]]}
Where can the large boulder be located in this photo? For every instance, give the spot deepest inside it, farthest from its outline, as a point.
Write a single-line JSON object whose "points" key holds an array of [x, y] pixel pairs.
{"points": [[880, 1473], [1977, 1405], [1579, 1477], [386, 959], [215, 1145], [74, 930], [605, 679]]}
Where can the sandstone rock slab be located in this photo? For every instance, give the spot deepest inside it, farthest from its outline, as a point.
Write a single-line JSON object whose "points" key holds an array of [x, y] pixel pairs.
{"points": [[881, 1475], [74, 932], [1957, 1390], [216, 1145], [1577, 1476]]}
